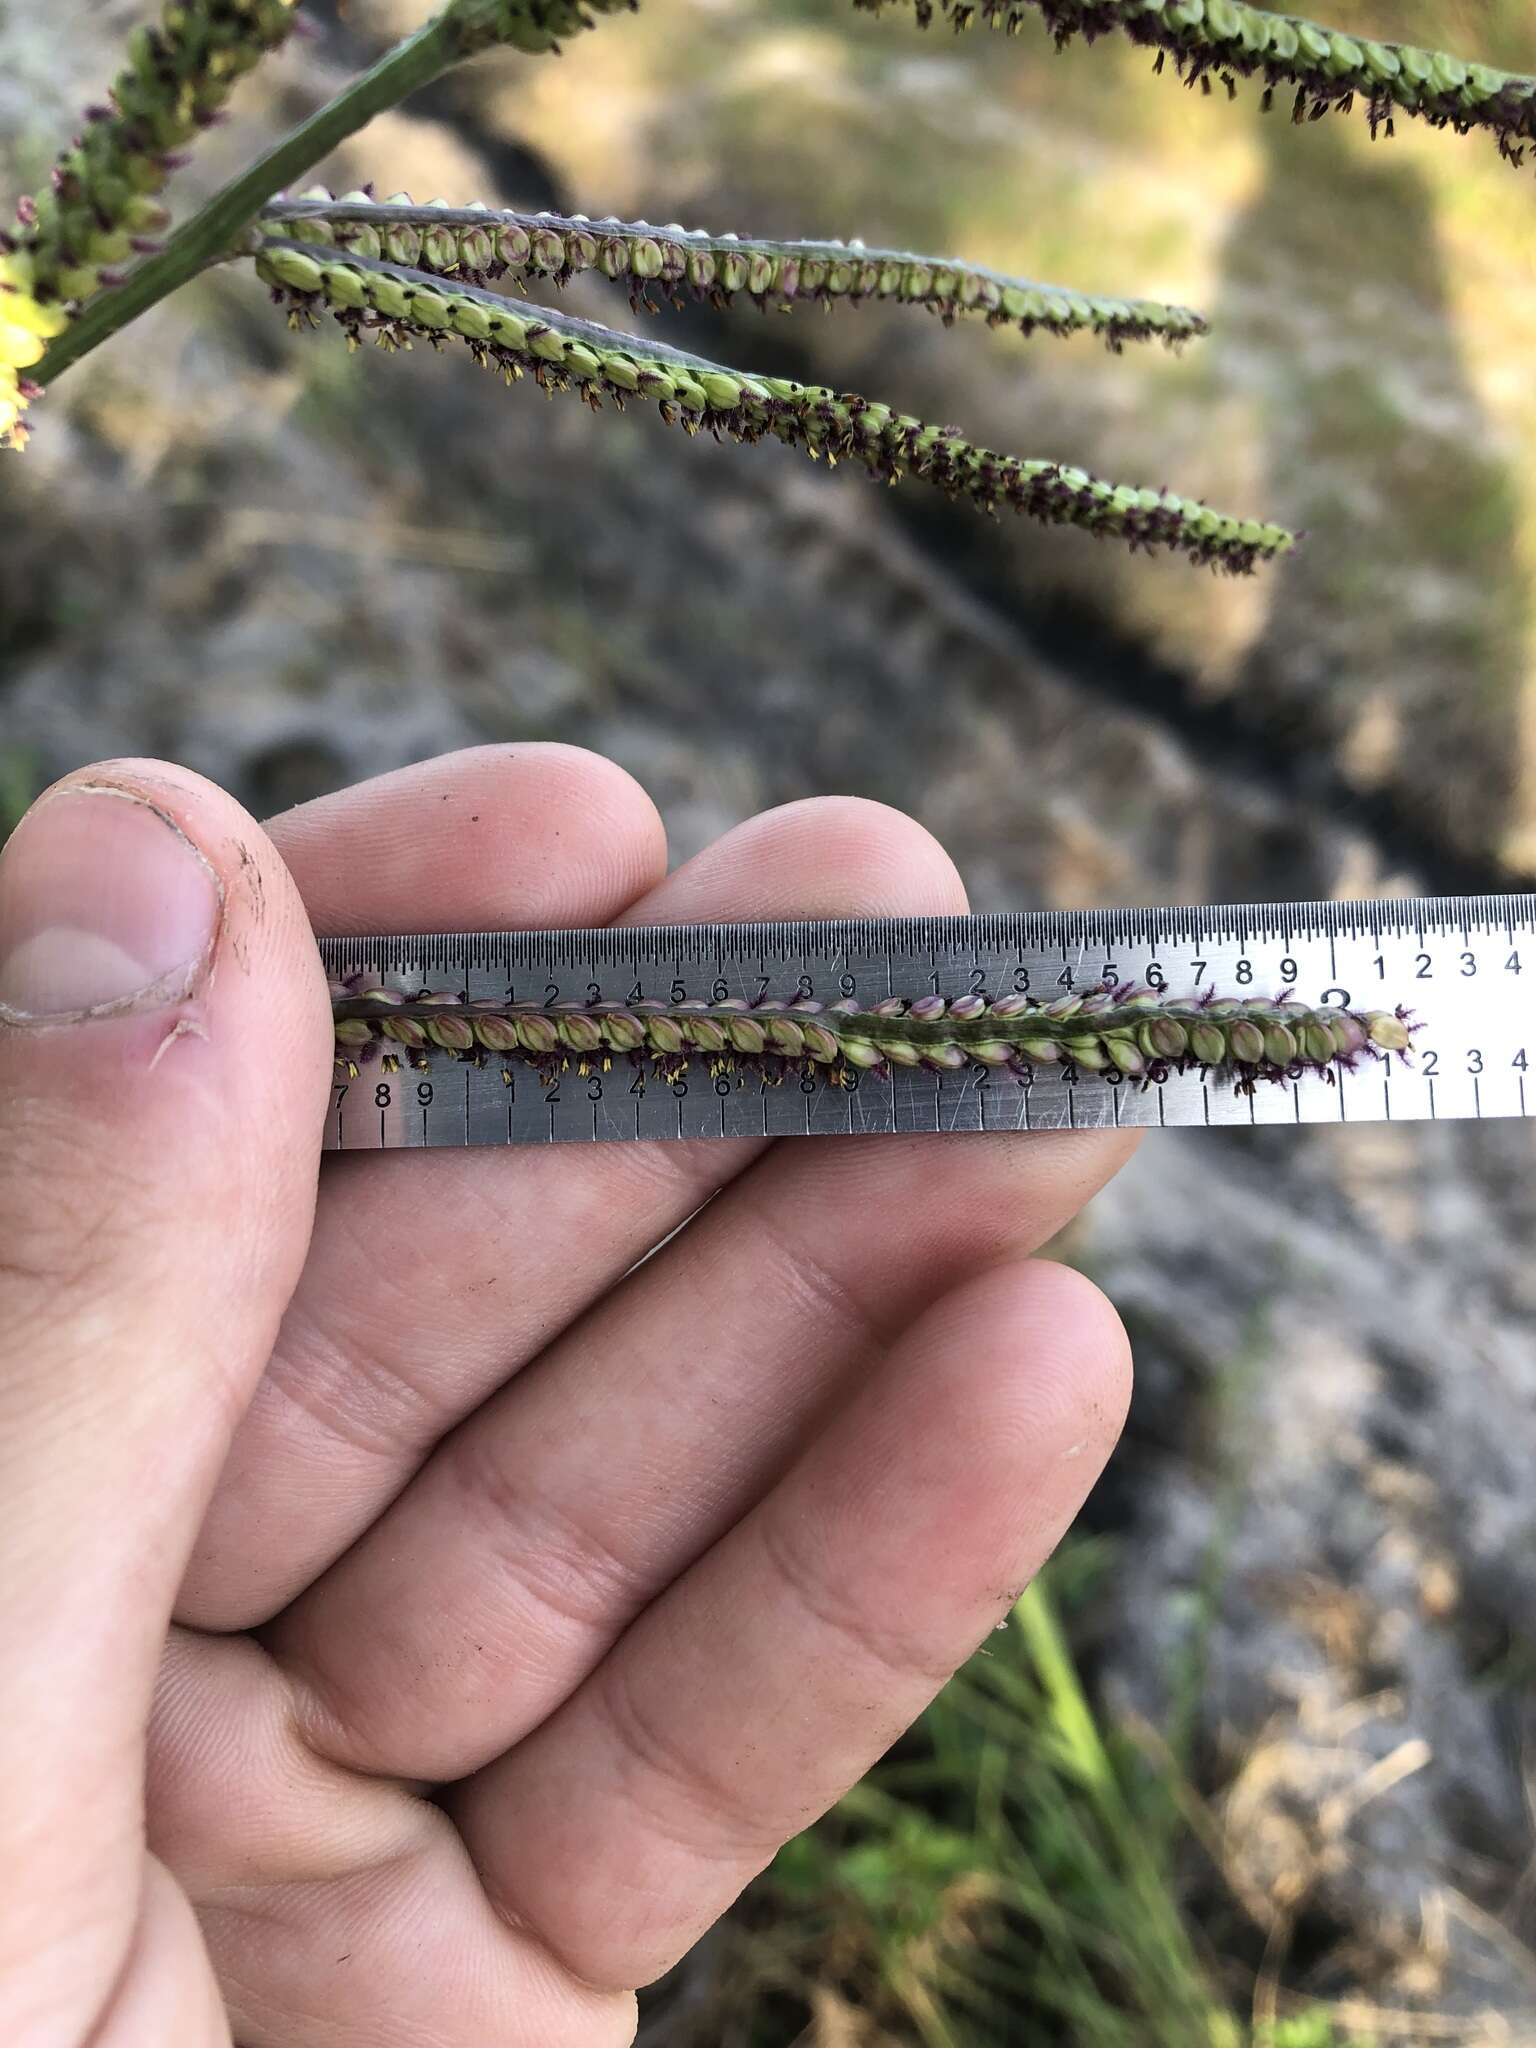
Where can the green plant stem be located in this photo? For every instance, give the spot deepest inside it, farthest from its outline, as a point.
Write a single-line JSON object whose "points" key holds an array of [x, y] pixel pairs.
{"points": [[212, 232]]}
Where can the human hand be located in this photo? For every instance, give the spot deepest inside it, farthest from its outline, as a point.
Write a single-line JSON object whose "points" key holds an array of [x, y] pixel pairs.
{"points": [[525, 1597]]}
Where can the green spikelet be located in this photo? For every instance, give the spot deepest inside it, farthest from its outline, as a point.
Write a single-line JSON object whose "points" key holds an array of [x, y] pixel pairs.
{"points": [[1326, 69], [102, 207], [479, 243], [395, 304]]}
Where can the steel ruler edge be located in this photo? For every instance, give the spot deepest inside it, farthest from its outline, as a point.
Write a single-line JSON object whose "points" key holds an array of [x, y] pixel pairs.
{"points": [[1465, 966]]}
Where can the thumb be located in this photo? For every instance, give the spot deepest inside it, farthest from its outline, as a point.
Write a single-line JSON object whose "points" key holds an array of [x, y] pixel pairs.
{"points": [[164, 1054]]}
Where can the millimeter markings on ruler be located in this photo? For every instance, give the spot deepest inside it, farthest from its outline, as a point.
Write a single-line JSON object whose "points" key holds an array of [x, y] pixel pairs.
{"points": [[1464, 966]]}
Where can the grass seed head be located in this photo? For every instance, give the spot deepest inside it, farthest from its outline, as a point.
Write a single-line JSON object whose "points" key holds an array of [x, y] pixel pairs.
{"points": [[391, 301], [478, 242], [1329, 70], [1117, 1031], [179, 74]]}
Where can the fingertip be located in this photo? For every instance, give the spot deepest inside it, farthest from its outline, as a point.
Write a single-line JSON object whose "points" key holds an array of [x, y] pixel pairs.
{"points": [[172, 1027], [828, 856], [874, 839], [143, 863], [590, 789], [998, 1410], [1072, 1356], [489, 838]]}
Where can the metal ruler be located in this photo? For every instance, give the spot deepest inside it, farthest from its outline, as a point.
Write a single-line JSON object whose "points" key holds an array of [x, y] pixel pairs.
{"points": [[1465, 966]]}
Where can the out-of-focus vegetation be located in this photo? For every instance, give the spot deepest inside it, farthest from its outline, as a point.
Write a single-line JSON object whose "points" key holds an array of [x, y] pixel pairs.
{"points": [[18, 786], [1011, 1873]]}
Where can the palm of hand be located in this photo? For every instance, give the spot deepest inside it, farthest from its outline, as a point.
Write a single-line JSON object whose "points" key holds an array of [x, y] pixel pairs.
{"points": [[529, 1595]]}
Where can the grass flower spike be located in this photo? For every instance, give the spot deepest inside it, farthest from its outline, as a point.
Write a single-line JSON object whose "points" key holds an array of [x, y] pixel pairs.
{"points": [[396, 305], [102, 206], [1325, 68], [1137, 1033], [478, 244]]}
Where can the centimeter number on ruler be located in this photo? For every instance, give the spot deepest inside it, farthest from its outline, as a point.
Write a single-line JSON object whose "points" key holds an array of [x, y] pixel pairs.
{"points": [[1466, 967]]}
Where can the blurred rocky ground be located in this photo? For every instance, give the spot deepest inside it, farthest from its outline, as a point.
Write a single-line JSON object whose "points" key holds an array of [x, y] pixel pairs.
{"points": [[290, 567]]}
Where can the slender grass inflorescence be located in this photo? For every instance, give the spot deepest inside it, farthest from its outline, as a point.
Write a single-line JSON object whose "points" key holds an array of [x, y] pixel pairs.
{"points": [[1138, 1033], [477, 244], [396, 305], [102, 206], [1227, 40]]}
